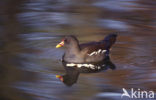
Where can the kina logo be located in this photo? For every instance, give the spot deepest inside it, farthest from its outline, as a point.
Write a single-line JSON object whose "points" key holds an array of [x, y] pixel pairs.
{"points": [[137, 93]]}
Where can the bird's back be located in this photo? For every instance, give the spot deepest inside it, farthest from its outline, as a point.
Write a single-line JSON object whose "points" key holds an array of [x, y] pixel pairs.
{"points": [[97, 51]]}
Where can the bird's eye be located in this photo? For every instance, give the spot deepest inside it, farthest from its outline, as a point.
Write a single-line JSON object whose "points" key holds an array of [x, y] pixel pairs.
{"points": [[66, 41]]}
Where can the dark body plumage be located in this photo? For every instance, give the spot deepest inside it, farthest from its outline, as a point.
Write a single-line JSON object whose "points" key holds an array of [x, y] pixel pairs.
{"points": [[91, 52], [85, 58]]}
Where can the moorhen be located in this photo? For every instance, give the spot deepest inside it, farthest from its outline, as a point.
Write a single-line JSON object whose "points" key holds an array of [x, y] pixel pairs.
{"points": [[85, 58], [91, 52]]}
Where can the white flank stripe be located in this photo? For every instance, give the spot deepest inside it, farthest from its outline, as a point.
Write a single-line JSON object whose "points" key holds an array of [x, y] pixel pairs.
{"points": [[103, 51], [92, 67], [99, 51], [86, 65], [92, 53], [99, 67], [71, 65], [81, 65]]}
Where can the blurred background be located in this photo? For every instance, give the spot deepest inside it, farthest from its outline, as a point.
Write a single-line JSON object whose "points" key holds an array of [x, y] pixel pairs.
{"points": [[29, 61]]}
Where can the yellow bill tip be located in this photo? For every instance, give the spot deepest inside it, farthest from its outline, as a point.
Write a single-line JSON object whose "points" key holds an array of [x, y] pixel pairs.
{"points": [[58, 46], [57, 76]]}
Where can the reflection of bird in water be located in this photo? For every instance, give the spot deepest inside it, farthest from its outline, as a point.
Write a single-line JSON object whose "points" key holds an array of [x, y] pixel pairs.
{"points": [[85, 58], [72, 72]]}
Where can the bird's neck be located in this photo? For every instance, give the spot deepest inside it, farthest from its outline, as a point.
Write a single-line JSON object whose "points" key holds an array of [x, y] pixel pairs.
{"points": [[75, 49], [73, 53]]}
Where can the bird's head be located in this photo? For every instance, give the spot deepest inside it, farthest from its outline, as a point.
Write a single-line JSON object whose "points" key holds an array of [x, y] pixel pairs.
{"points": [[67, 41]]}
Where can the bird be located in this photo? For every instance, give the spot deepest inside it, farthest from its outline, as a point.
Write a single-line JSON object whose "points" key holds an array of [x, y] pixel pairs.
{"points": [[86, 53], [85, 58]]}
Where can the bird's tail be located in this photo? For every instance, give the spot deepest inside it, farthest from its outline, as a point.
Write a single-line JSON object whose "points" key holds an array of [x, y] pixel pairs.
{"points": [[110, 40]]}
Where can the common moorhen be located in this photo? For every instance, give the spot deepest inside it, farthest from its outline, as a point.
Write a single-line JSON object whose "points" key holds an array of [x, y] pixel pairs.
{"points": [[85, 58], [91, 52]]}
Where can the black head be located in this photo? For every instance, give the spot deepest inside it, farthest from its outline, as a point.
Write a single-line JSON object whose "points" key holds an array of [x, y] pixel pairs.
{"points": [[68, 41]]}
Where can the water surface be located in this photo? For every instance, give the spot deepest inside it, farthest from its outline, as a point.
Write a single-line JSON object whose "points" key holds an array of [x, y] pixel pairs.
{"points": [[30, 30]]}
